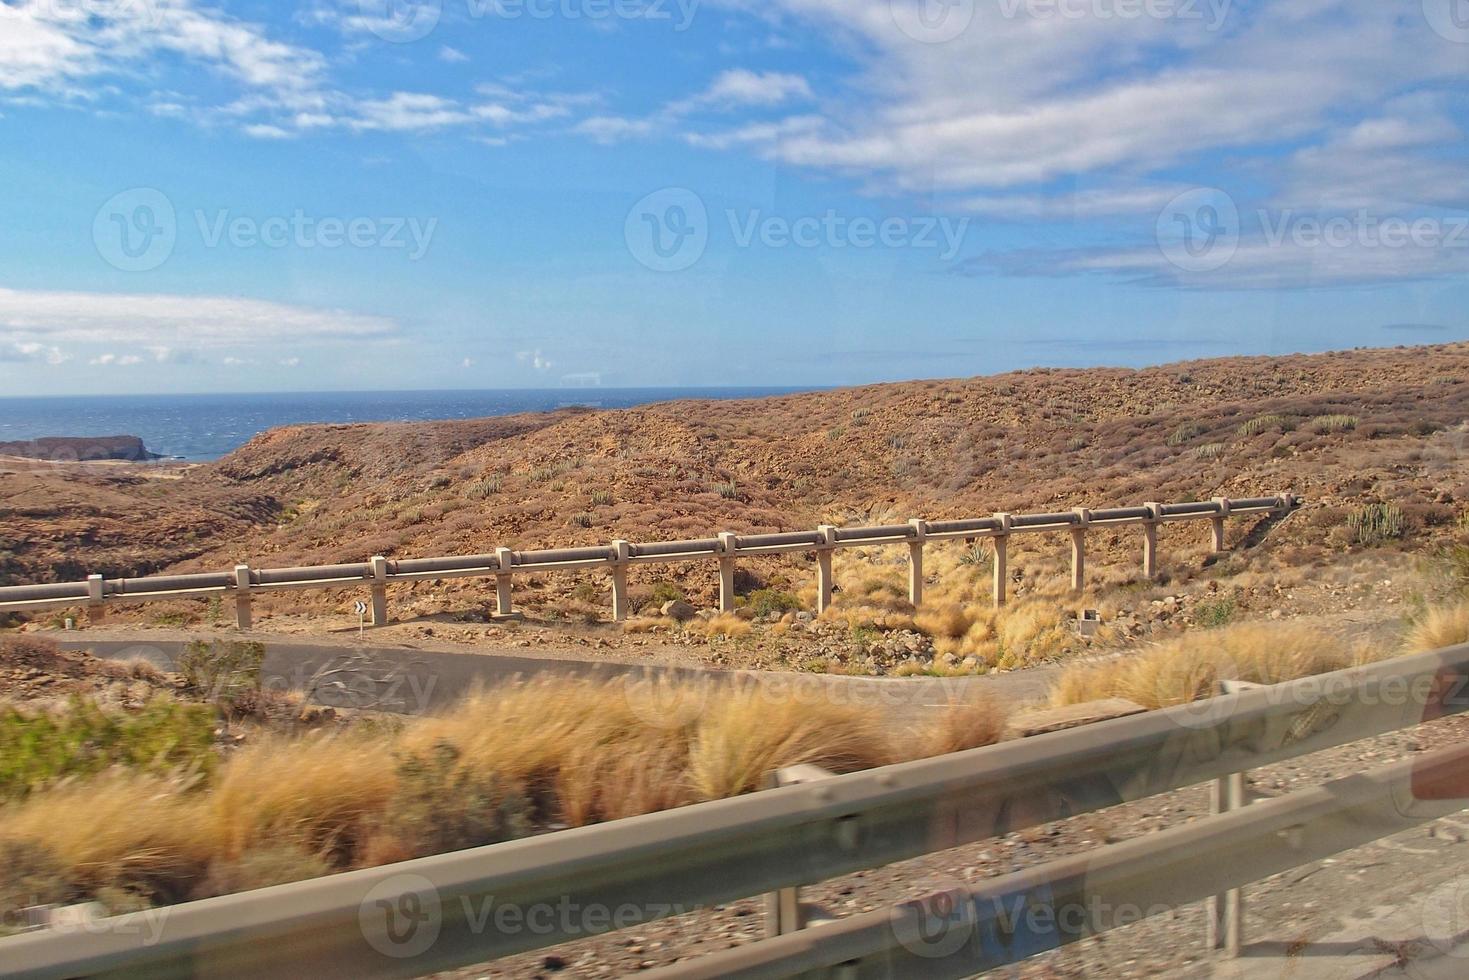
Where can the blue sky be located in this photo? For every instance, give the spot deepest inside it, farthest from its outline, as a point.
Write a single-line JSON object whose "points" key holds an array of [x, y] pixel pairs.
{"points": [[214, 195]]}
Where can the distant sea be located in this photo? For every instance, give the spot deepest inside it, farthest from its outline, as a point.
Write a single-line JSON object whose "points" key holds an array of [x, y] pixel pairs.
{"points": [[206, 427]]}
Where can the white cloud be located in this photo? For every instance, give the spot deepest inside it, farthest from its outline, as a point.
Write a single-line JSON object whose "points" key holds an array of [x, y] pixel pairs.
{"points": [[30, 351], [409, 111], [171, 327], [55, 48], [612, 129], [290, 362], [535, 359], [265, 131], [452, 55], [121, 360], [1020, 101], [740, 86], [731, 89], [1076, 205]]}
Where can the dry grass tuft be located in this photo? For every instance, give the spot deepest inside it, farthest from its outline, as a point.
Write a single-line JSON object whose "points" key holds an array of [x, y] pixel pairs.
{"points": [[317, 794], [745, 734], [1189, 668], [725, 624], [118, 830], [965, 725], [1439, 627]]}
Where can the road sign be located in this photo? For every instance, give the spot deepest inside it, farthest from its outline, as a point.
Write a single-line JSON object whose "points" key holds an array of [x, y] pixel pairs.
{"points": [[361, 607]]}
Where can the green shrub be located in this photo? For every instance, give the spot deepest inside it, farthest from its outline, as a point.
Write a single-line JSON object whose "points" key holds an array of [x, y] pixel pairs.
{"points": [[1210, 450], [1185, 433], [224, 671], [1377, 523], [442, 806], [1215, 613], [667, 592], [84, 739], [488, 487], [601, 498], [1327, 424], [729, 491], [585, 592], [581, 520], [974, 555], [1263, 423], [763, 602]]}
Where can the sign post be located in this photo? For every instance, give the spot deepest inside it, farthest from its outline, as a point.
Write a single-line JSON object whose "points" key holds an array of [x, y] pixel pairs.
{"points": [[361, 608]]}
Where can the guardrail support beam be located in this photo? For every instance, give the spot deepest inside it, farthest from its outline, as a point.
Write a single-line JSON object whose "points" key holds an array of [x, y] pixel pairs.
{"points": [[784, 913], [915, 561], [379, 590], [96, 611], [1001, 541], [1216, 540], [824, 581], [727, 541], [242, 597], [503, 609], [1150, 541], [620, 552], [1078, 549]]}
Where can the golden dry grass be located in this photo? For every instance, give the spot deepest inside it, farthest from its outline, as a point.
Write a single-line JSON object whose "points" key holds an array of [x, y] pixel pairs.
{"points": [[118, 829], [964, 725], [317, 794], [1190, 667], [745, 734], [562, 750], [1439, 627]]}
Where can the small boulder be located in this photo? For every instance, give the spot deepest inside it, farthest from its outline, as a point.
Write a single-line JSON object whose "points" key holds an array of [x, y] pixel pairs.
{"points": [[677, 609]]}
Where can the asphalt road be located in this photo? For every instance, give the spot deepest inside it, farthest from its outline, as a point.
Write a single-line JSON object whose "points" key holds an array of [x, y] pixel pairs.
{"points": [[415, 682]]}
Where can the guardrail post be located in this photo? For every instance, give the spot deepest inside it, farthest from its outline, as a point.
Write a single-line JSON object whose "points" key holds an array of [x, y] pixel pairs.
{"points": [[1078, 549], [1216, 542], [96, 611], [784, 913], [1002, 546], [915, 561], [503, 562], [242, 596], [1150, 540], [727, 546], [1287, 501], [1227, 909], [823, 567], [621, 550], [379, 590]]}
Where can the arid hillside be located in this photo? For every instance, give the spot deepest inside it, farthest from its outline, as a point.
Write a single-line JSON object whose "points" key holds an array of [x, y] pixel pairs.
{"points": [[1344, 429]]}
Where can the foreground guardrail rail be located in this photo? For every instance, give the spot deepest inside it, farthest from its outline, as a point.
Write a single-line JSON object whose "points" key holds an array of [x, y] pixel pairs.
{"points": [[242, 582], [431, 914]]}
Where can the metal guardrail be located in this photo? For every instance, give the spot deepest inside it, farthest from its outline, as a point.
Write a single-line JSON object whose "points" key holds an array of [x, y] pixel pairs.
{"points": [[429, 914], [377, 574]]}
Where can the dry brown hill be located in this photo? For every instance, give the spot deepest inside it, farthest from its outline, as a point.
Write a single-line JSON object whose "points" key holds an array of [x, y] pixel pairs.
{"points": [[1342, 428]]}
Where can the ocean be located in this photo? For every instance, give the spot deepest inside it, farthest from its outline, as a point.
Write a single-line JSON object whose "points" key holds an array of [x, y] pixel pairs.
{"points": [[206, 427]]}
